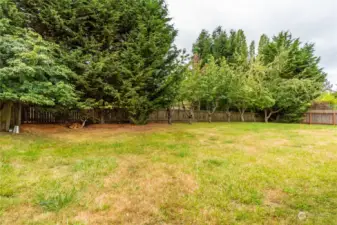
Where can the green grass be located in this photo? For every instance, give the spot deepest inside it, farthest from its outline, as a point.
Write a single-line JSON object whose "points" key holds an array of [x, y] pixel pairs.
{"points": [[220, 173]]}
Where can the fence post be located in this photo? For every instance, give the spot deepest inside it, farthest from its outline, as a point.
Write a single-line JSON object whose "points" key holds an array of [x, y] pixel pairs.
{"points": [[334, 117], [310, 118]]}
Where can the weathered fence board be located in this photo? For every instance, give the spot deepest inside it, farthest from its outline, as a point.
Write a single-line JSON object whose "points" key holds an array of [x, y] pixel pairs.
{"points": [[321, 117], [201, 116], [41, 116]]}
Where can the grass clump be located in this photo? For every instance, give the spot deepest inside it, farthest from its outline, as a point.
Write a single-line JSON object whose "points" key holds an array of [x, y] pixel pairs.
{"points": [[55, 198]]}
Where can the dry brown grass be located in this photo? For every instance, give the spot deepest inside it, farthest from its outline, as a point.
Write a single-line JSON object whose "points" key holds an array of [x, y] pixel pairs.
{"points": [[94, 133], [137, 194], [274, 197]]}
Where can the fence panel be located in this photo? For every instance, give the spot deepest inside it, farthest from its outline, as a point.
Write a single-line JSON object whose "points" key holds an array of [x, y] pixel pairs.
{"points": [[31, 114], [320, 117], [40, 115]]}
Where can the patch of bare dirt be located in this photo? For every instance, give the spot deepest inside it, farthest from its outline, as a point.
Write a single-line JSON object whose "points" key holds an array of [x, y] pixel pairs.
{"points": [[249, 149], [127, 127], [59, 128], [274, 197], [322, 133], [278, 142], [96, 133], [44, 128]]}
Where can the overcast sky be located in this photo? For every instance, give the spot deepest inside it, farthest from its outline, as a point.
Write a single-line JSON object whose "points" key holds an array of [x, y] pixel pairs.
{"points": [[311, 20]]}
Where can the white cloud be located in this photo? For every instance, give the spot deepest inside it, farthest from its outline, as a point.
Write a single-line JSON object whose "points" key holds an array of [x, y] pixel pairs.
{"points": [[311, 20]]}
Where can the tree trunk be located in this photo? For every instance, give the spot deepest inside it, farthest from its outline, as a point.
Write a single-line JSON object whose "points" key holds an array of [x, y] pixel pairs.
{"points": [[242, 117], [210, 113], [169, 116], [268, 115], [242, 114], [8, 115], [266, 118], [18, 122], [210, 117], [190, 116], [83, 123], [229, 114]]}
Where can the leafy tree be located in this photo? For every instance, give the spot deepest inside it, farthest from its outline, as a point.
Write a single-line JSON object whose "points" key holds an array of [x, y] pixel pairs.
{"points": [[227, 87], [189, 94], [291, 60], [278, 94], [30, 70], [328, 97], [243, 95], [210, 84]]}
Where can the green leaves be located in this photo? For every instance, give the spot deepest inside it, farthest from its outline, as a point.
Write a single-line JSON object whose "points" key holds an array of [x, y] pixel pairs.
{"points": [[232, 47], [111, 53], [122, 51], [284, 77], [30, 72]]}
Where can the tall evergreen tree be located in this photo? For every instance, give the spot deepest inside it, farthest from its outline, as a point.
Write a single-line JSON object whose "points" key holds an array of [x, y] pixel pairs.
{"points": [[252, 49], [221, 45], [263, 42], [203, 46], [122, 50], [241, 47], [233, 46]]}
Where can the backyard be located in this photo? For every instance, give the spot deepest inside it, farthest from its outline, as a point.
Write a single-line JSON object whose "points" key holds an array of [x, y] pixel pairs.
{"points": [[221, 173]]}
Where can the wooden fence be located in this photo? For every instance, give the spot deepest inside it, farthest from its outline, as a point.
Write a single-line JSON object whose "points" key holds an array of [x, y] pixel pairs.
{"points": [[40, 116], [37, 115], [202, 116], [321, 117]]}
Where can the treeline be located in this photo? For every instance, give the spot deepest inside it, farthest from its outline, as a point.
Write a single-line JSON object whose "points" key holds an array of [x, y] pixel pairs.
{"points": [[279, 77], [88, 55], [84, 54]]}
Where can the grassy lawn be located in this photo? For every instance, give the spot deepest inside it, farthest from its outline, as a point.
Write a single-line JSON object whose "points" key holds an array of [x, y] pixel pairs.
{"points": [[238, 173]]}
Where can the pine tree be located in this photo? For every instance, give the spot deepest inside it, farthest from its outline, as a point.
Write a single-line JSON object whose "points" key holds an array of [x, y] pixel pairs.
{"points": [[263, 42], [122, 50], [203, 46], [221, 44], [252, 53]]}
